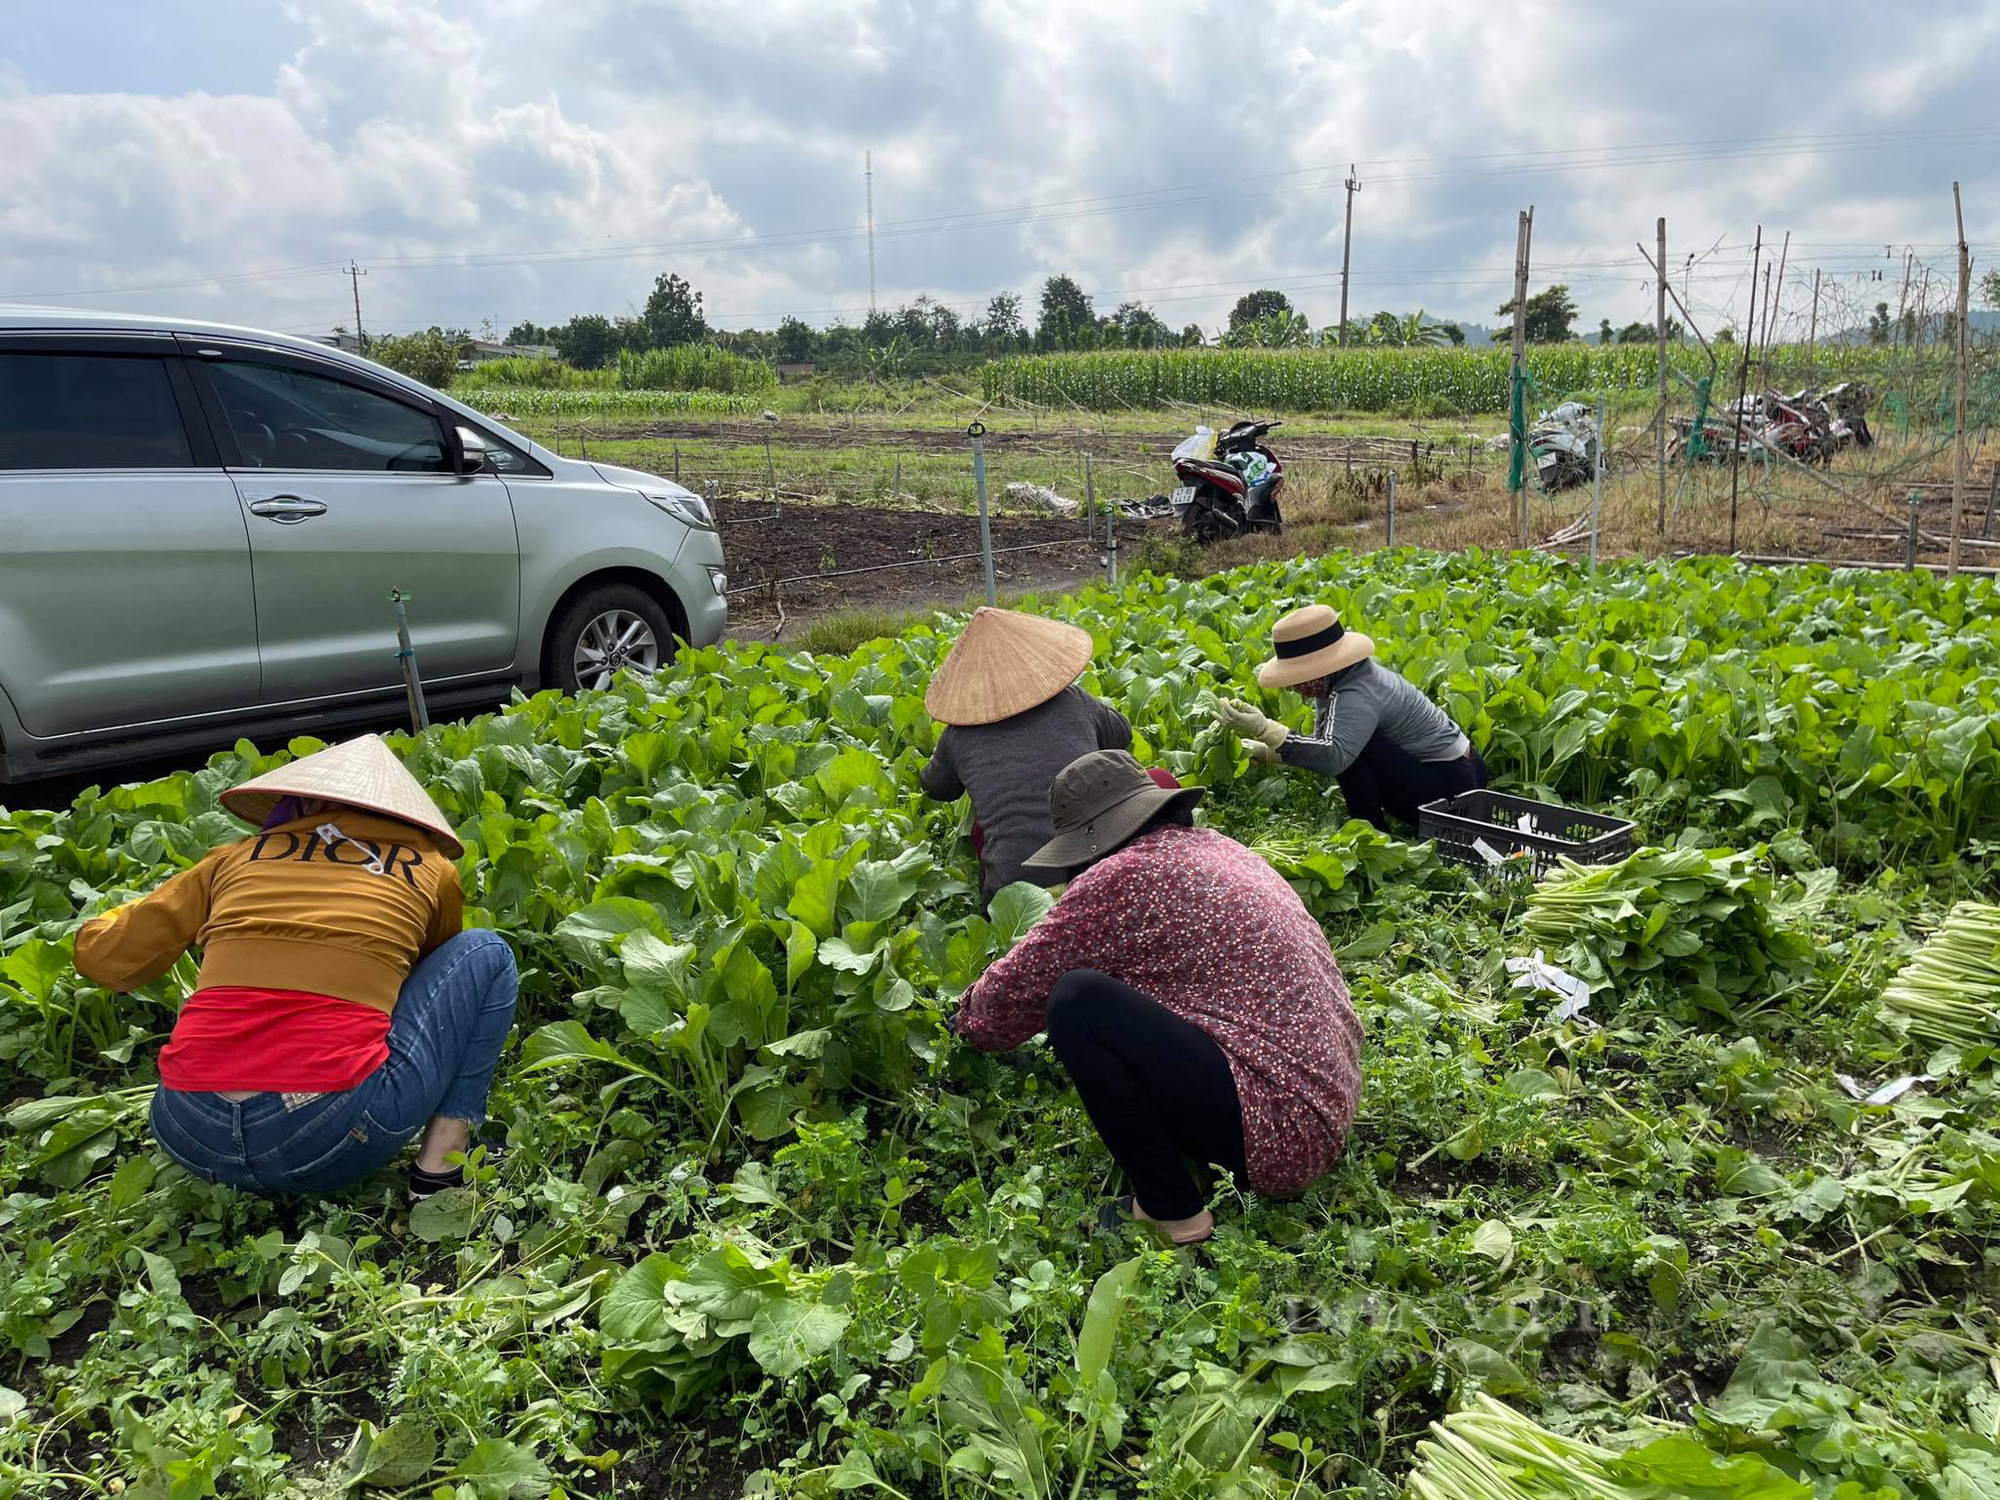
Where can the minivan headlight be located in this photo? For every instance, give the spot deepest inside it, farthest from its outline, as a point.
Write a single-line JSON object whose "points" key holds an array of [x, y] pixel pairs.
{"points": [[691, 509]]}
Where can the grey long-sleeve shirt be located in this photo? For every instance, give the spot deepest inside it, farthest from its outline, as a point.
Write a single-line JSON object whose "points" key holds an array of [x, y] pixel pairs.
{"points": [[1367, 697], [1008, 768]]}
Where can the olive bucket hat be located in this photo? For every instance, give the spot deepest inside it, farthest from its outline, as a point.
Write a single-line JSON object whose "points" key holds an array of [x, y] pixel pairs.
{"points": [[1098, 802]]}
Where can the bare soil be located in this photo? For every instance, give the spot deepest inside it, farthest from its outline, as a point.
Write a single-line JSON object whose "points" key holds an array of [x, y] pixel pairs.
{"points": [[813, 558], [831, 432]]}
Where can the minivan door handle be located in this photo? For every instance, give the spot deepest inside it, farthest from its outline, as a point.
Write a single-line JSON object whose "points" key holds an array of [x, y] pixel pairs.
{"points": [[288, 510]]}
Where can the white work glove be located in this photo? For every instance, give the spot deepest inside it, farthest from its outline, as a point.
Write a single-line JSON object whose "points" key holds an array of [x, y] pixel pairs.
{"points": [[1241, 718], [1261, 753]]}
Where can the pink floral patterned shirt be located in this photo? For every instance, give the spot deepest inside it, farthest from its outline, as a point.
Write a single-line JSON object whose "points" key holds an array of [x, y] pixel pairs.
{"points": [[1207, 928]]}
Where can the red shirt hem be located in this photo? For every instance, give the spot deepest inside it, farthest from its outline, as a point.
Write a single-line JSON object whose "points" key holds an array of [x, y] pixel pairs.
{"points": [[235, 1038]]}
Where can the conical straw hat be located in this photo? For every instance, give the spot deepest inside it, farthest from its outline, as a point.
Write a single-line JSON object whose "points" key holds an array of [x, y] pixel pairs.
{"points": [[361, 773], [1003, 664]]}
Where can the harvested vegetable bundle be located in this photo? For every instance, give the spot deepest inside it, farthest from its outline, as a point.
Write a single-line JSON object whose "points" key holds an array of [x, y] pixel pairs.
{"points": [[1702, 921], [1949, 994], [1489, 1451]]}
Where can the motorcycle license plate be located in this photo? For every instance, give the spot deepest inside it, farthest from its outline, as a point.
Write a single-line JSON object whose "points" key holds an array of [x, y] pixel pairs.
{"points": [[1183, 497], [1545, 460]]}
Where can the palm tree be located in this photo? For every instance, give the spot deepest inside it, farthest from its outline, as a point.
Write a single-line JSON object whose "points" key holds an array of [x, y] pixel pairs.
{"points": [[1418, 332], [1283, 329]]}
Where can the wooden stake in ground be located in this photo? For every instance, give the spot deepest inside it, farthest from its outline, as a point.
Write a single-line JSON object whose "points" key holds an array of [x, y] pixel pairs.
{"points": [[1958, 417], [1812, 333], [1523, 234], [1742, 385], [1660, 316], [1770, 304], [1903, 297], [1763, 335]]}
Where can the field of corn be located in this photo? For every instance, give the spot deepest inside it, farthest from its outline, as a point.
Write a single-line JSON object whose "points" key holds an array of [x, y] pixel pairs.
{"points": [[1436, 382], [578, 403], [685, 367]]}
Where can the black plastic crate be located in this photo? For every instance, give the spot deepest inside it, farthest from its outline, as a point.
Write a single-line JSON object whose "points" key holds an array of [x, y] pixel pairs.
{"points": [[1567, 832]]}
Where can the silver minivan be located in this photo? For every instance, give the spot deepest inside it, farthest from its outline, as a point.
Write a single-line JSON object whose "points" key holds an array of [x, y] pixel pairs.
{"points": [[201, 527]]}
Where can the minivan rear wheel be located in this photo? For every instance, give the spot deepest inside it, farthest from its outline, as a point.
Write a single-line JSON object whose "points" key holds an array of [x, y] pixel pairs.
{"points": [[604, 630]]}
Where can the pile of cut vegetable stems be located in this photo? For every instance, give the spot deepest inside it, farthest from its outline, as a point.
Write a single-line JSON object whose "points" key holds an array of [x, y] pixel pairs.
{"points": [[1949, 994], [1489, 1451]]}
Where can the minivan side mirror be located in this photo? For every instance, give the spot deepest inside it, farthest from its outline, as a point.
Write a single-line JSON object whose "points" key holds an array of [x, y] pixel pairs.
{"points": [[472, 452]]}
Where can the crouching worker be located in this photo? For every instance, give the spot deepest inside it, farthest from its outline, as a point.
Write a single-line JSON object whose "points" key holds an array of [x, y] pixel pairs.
{"points": [[340, 1009], [1013, 716], [1190, 996], [1390, 748]]}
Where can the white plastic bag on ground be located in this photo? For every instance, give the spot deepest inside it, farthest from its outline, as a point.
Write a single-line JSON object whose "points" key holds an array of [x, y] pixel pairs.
{"points": [[1040, 497]]}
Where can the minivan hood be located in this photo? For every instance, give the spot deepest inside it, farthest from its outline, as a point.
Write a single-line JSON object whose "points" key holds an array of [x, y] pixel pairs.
{"points": [[639, 479]]}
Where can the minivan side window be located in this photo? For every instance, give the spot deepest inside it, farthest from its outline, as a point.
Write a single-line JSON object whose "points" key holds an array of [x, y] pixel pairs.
{"points": [[285, 418], [88, 411]]}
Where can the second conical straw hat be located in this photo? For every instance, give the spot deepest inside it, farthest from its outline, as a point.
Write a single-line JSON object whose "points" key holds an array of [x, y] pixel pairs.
{"points": [[1003, 664]]}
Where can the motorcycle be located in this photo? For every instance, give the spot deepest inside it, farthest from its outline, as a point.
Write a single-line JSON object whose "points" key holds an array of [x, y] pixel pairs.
{"points": [[1563, 444], [1795, 426], [1228, 485]]}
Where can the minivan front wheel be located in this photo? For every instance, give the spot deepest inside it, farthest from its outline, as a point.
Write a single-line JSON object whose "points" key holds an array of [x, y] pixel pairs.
{"points": [[604, 630]]}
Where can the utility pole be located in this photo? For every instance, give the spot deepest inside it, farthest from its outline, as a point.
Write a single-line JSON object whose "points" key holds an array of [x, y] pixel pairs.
{"points": [[1346, 245], [354, 274], [1660, 316], [1958, 422], [1742, 384], [1517, 421], [868, 176]]}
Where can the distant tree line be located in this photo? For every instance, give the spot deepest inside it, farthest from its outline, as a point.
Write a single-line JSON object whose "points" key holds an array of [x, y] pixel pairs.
{"points": [[926, 335]]}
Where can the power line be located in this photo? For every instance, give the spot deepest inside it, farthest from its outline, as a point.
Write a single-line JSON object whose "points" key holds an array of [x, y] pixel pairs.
{"points": [[1137, 201]]}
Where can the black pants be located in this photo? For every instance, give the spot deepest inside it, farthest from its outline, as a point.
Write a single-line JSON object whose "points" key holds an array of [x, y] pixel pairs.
{"points": [[1157, 1088], [1386, 780]]}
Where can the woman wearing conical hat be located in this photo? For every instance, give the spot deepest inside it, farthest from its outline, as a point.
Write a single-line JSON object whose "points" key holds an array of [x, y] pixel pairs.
{"points": [[1390, 748], [341, 1008], [1014, 716]]}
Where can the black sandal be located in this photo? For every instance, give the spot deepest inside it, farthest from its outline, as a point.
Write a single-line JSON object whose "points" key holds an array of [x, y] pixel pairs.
{"points": [[424, 1184]]}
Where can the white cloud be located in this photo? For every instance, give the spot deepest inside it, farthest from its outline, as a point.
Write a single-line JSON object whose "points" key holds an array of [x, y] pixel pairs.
{"points": [[391, 131]]}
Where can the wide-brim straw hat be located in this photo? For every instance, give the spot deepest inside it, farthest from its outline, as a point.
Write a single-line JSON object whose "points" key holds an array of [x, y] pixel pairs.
{"points": [[1310, 643], [1005, 663], [1098, 802], [362, 773]]}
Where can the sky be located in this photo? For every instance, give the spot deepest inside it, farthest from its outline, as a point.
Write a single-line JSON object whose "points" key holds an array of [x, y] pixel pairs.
{"points": [[527, 160]]}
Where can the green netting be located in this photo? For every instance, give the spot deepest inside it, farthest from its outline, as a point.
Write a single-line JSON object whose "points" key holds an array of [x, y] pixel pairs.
{"points": [[1517, 429], [1698, 434]]}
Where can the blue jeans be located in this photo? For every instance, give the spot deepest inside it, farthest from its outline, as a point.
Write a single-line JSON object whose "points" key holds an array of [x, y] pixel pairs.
{"points": [[445, 1035]]}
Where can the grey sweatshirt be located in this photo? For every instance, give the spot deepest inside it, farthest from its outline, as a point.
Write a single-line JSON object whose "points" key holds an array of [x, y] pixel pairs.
{"points": [[1367, 697], [1008, 769]]}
